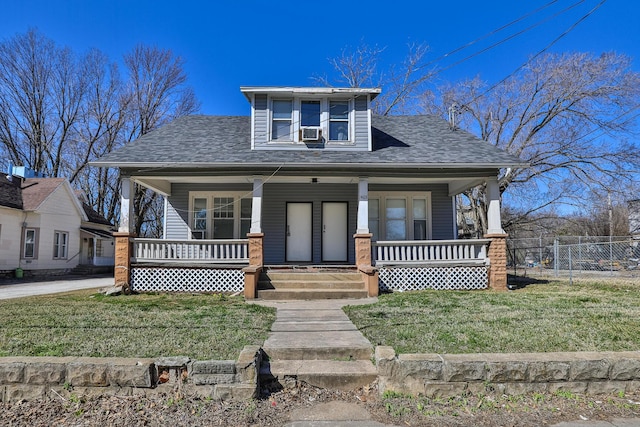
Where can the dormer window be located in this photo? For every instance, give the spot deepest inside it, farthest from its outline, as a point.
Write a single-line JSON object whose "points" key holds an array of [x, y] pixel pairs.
{"points": [[338, 120], [310, 113], [282, 111]]}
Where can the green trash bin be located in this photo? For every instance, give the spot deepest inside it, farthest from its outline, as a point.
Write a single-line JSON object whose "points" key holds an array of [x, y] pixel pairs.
{"points": [[19, 273]]}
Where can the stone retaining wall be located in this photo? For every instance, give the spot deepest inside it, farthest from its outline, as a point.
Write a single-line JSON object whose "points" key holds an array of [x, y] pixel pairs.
{"points": [[435, 375], [32, 378]]}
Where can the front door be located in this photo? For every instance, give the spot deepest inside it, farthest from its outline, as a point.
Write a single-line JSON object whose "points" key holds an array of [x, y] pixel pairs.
{"points": [[299, 232], [334, 231]]}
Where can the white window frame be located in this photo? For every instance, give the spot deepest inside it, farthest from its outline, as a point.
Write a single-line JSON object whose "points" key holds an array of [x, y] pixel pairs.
{"points": [[34, 254], [382, 197], [292, 120], [210, 196], [60, 248], [296, 119], [349, 120]]}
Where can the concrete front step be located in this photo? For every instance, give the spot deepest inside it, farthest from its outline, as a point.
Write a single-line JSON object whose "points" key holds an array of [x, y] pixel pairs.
{"points": [[310, 284], [348, 275], [310, 294], [330, 343], [329, 374]]}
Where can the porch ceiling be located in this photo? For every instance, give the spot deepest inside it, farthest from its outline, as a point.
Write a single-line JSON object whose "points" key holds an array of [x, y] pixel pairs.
{"points": [[456, 184]]}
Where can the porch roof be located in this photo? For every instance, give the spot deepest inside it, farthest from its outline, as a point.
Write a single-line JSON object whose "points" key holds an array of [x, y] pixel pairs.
{"points": [[399, 142]]}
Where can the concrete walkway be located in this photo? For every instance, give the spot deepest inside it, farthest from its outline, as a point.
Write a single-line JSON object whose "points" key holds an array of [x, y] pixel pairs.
{"points": [[319, 328], [19, 288]]}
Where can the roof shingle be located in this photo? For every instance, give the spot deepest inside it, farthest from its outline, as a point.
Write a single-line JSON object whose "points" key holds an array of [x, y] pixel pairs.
{"points": [[397, 140]]}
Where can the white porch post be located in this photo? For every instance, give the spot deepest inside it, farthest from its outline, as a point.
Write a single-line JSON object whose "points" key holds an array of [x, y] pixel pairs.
{"points": [[363, 206], [494, 222], [126, 205], [256, 206]]}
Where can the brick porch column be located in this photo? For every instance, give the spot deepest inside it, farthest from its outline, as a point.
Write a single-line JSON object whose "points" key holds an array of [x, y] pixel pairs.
{"points": [[122, 265], [498, 261], [363, 262], [256, 261]]}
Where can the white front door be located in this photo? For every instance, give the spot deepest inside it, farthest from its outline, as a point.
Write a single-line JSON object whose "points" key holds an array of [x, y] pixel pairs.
{"points": [[299, 232], [334, 231]]}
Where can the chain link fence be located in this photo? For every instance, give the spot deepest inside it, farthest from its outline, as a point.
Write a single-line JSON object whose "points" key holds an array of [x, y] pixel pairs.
{"points": [[608, 258]]}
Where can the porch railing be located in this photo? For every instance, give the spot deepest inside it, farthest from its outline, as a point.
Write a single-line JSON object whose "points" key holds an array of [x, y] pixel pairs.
{"points": [[210, 251], [472, 251]]}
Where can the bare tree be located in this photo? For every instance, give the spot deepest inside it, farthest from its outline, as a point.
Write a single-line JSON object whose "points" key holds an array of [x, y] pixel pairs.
{"points": [[59, 111], [568, 115], [31, 128], [402, 83], [156, 93]]}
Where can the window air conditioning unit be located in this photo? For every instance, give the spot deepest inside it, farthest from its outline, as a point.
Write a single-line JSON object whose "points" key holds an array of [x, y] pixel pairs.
{"points": [[310, 133]]}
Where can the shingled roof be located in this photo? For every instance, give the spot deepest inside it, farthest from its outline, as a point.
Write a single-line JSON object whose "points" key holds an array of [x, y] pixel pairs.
{"points": [[422, 140], [10, 194]]}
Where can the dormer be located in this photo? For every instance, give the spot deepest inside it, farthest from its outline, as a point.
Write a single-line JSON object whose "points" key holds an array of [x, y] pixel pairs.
{"points": [[301, 118]]}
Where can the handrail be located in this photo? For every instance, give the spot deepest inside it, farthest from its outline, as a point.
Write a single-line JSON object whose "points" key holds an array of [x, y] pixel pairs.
{"points": [[431, 251], [210, 251]]}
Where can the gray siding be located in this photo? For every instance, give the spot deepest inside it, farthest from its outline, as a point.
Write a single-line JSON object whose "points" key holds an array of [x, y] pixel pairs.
{"points": [[261, 120], [274, 207], [361, 125], [276, 196], [441, 207], [178, 205], [261, 125]]}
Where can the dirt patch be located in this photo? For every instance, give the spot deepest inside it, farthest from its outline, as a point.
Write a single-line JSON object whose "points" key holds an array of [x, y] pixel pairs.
{"points": [[275, 409]]}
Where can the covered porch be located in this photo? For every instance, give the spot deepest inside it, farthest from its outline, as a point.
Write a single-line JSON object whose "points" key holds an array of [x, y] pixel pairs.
{"points": [[426, 255]]}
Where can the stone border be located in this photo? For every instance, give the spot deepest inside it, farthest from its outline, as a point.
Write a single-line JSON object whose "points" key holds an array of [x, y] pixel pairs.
{"points": [[33, 378], [436, 375]]}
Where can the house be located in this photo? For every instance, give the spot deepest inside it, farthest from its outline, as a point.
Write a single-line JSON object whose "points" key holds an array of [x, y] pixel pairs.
{"points": [[46, 229], [310, 179]]}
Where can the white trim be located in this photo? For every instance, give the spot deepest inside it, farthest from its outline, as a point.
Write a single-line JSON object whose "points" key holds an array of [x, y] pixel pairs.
{"points": [[253, 121], [382, 196], [454, 209], [209, 196]]}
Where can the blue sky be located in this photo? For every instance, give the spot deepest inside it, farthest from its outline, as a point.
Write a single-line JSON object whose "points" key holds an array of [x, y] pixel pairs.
{"points": [[245, 43]]}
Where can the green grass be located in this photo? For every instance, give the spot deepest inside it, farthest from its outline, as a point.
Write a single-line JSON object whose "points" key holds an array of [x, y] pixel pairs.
{"points": [[86, 324], [539, 318]]}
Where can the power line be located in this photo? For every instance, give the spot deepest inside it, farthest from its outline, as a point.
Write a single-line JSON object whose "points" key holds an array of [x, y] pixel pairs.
{"points": [[554, 41]]}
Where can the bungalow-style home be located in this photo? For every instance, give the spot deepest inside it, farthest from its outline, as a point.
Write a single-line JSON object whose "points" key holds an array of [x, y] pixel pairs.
{"points": [[46, 229], [311, 181]]}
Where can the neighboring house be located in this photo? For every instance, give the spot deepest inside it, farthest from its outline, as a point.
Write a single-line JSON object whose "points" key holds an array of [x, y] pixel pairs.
{"points": [[45, 229], [311, 178]]}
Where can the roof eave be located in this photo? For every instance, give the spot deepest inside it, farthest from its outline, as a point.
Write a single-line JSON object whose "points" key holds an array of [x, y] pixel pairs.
{"points": [[367, 165]]}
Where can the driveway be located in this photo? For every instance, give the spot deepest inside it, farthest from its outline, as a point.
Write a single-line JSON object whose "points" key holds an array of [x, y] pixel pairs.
{"points": [[15, 288]]}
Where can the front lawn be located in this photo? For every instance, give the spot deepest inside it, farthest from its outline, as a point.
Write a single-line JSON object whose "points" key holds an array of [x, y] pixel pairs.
{"points": [[539, 318], [87, 324]]}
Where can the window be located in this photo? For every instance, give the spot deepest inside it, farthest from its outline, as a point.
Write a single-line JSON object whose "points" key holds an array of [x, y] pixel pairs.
{"points": [[29, 243], [199, 221], [310, 113], [223, 222], [399, 217], [338, 120], [60, 243], [281, 120], [288, 116], [222, 215]]}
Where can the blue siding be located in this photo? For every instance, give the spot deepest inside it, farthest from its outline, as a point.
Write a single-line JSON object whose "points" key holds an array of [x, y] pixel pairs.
{"points": [[361, 125], [442, 214], [178, 205], [274, 207], [260, 120]]}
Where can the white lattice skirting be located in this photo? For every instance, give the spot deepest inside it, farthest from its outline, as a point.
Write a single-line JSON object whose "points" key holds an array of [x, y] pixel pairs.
{"points": [[158, 279], [420, 278]]}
